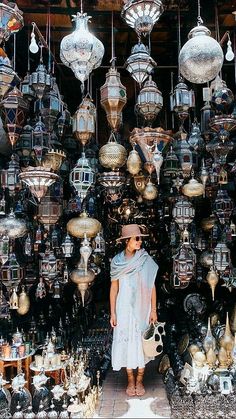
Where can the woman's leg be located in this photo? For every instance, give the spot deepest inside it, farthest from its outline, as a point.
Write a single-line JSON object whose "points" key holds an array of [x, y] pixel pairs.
{"points": [[140, 390], [130, 391]]}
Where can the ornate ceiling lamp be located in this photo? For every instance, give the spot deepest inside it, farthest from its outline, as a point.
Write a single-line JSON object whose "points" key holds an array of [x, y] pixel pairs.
{"points": [[12, 226], [112, 155], [146, 138], [38, 179], [142, 14], [84, 120], [82, 176], [149, 102], [78, 227], [11, 20], [81, 50], [13, 110], [113, 183], [201, 58], [140, 64], [8, 77]]}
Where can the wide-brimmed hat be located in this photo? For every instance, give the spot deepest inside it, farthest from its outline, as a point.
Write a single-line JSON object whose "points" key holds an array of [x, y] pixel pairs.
{"points": [[131, 230]]}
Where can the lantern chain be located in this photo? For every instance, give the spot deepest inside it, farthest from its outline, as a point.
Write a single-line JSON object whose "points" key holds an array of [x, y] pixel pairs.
{"points": [[199, 19]]}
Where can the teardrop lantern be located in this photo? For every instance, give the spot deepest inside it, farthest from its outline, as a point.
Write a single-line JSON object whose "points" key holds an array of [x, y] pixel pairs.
{"points": [[81, 50], [113, 98], [84, 120], [112, 155], [212, 279], [149, 101], [134, 162]]}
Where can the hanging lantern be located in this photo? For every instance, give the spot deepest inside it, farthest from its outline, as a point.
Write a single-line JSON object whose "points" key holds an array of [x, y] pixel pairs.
{"points": [[140, 64], [171, 164], [81, 50], [186, 157], [220, 147], [85, 251], [8, 77], [49, 210], [13, 110], [82, 279], [77, 227], [147, 137], [221, 123], [24, 144], [140, 182], [223, 177], [23, 303], [113, 98], [53, 159], [26, 89], [51, 106], [99, 244], [10, 176], [193, 188], [149, 101], [212, 279], [113, 183], [38, 180], [204, 174], [67, 246], [223, 206], [221, 257], [183, 212], [112, 155], [134, 162], [182, 100], [64, 120], [11, 20], [142, 14], [11, 272], [40, 80], [150, 192], [82, 177], [184, 263], [12, 226], [207, 113], [222, 97], [201, 58], [195, 139], [157, 160], [84, 120], [4, 248], [48, 265]]}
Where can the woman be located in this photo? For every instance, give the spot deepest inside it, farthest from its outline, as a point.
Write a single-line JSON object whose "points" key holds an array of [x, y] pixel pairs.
{"points": [[133, 306]]}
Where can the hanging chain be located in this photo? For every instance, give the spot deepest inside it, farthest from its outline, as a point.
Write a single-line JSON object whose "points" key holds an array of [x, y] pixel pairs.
{"points": [[81, 7], [113, 58], [199, 19], [179, 39]]}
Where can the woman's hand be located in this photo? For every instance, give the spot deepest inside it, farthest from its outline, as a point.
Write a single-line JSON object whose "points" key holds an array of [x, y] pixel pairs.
{"points": [[153, 317], [113, 320]]}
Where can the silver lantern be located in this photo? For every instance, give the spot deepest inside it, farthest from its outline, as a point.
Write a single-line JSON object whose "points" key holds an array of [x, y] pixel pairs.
{"points": [[184, 263], [142, 14], [221, 257], [182, 100], [183, 212], [140, 64], [150, 101], [82, 176]]}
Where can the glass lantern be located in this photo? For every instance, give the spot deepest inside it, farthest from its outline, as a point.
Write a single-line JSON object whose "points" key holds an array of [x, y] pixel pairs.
{"points": [[51, 106], [9, 177], [184, 263], [182, 100], [150, 101], [84, 120], [171, 164], [8, 77], [67, 246], [48, 266], [49, 210], [142, 14], [183, 212], [40, 81], [221, 257], [12, 273], [140, 64], [223, 206], [24, 144], [82, 177]]}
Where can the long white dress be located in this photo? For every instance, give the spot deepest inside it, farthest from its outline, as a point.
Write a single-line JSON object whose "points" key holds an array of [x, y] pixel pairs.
{"points": [[127, 348]]}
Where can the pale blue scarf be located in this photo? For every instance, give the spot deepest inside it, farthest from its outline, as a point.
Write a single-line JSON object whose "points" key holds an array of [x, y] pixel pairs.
{"points": [[140, 271]]}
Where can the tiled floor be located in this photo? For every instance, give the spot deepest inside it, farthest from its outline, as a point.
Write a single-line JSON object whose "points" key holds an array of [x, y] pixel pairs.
{"points": [[115, 403]]}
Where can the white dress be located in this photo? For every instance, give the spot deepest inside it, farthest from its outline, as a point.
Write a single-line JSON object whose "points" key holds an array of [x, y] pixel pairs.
{"points": [[133, 305]]}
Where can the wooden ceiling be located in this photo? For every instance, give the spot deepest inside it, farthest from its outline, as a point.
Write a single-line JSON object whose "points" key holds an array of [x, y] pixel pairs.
{"points": [[164, 45]]}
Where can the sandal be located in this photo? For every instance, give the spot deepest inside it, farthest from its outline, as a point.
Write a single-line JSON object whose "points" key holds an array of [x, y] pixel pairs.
{"points": [[140, 390], [130, 391]]}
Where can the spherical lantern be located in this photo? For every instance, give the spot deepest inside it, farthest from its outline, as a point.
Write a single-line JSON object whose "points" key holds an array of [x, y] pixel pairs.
{"points": [[142, 14], [222, 97], [201, 58], [193, 188], [78, 227], [140, 64], [82, 176], [81, 50], [112, 155], [150, 192], [150, 101], [12, 226], [113, 98], [84, 120]]}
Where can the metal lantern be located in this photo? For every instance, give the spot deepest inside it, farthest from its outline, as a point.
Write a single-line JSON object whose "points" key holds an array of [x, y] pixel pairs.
{"points": [[184, 263], [53, 159], [171, 164], [13, 110], [223, 206], [140, 64], [150, 101], [64, 120], [84, 120], [99, 244], [222, 97], [186, 156], [113, 98], [182, 100], [26, 89], [4, 248], [82, 225], [40, 80], [83, 279], [67, 246], [112, 155], [48, 266], [12, 226], [207, 113], [183, 212], [147, 137], [81, 50], [11, 20], [113, 183], [8, 77], [193, 188], [51, 106], [49, 210], [38, 180], [134, 162], [11, 272], [10, 177], [220, 146], [82, 176], [24, 144], [221, 257], [201, 58], [142, 14]]}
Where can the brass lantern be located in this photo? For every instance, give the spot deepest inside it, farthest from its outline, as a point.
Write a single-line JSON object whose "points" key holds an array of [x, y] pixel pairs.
{"points": [[150, 101], [49, 210], [10, 176], [184, 263], [82, 225], [13, 111], [113, 98], [223, 206], [112, 155], [140, 64], [193, 188], [12, 226], [53, 159], [38, 180], [183, 212], [82, 177], [113, 183], [11, 272], [84, 120], [182, 100], [221, 257], [134, 162], [40, 80], [8, 77]]}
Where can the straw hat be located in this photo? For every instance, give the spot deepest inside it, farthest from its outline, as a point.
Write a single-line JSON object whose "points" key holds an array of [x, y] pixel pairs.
{"points": [[131, 230]]}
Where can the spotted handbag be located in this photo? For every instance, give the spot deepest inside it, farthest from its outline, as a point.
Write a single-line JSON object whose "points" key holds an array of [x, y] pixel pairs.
{"points": [[152, 339]]}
